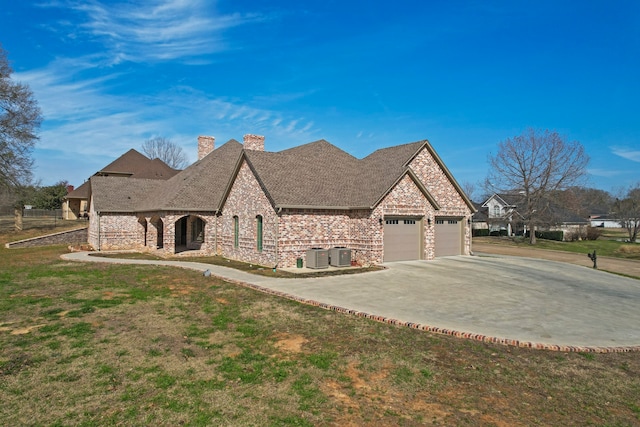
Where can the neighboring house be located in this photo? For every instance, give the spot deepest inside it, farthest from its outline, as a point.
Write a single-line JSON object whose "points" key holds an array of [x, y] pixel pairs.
{"points": [[132, 164], [269, 208], [499, 213], [605, 221]]}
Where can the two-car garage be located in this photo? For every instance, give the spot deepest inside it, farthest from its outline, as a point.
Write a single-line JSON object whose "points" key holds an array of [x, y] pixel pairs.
{"points": [[403, 238]]}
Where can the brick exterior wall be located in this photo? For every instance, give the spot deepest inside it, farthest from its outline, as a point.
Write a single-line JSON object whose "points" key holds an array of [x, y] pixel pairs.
{"points": [[406, 199], [288, 234], [302, 229], [247, 200], [451, 203], [121, 231], [93, 238]]}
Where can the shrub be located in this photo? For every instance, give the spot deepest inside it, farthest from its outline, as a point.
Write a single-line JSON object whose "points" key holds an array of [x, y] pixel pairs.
{"points": [[549, 235], [572, 236], [481, 232], [593, 233]]}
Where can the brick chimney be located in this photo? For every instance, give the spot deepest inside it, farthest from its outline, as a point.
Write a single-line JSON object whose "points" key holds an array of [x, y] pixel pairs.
{"points": [[206, 144], [254, 142]]}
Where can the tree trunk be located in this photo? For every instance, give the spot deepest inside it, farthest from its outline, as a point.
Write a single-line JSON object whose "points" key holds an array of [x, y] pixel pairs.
{"points": [[532, 234], [18, 219]]}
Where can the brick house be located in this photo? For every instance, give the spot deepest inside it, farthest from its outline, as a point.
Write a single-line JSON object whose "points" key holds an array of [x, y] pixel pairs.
{"points": [[269, 208]]}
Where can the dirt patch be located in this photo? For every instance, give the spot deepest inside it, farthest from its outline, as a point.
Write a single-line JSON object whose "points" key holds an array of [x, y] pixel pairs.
{"points": [[27, 330], [178, 291], [290, 343]]}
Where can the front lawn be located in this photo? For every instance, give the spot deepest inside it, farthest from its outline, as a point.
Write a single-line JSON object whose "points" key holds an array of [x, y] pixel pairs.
{"points": [[100, 344], [603, 247]]}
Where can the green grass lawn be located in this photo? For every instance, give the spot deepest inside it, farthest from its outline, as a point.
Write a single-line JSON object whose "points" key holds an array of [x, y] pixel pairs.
{"points": [[97, 344], [602, 247], [611, 243]]}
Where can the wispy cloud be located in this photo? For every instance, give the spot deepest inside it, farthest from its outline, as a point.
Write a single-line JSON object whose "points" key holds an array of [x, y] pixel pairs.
{"points": [[85, 117], [605, 173], [152, 31], [632, 154]]}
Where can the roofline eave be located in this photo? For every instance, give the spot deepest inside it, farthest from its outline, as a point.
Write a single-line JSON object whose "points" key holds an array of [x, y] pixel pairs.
{"points": [[320, 207]]}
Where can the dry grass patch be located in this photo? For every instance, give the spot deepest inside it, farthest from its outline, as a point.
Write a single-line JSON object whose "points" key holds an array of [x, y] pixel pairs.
{"points": [[629, 249]]}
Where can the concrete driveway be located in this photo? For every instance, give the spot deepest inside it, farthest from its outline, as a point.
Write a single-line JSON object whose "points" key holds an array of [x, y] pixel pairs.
{"points": [[530, 302]]}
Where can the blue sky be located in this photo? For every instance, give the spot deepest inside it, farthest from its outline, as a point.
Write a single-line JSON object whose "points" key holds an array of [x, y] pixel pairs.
{"points": [[361, 74]]}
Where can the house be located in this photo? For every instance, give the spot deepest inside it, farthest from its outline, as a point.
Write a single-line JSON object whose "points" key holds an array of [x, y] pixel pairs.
{"points": [[269, 208], [132, 164], [605, 221], [499, 214]]}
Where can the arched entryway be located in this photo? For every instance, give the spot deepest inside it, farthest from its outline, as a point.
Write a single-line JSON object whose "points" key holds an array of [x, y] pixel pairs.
{"points": [[190, 233], [158, 225]]}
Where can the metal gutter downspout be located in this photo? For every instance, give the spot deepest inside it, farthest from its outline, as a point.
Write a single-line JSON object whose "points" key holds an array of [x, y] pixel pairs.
{"points": [[99, 240], [215, 239], [277, 239]]}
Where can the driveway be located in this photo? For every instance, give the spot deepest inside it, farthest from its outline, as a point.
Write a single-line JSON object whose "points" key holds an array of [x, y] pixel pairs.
{"points": [[520, 301]]}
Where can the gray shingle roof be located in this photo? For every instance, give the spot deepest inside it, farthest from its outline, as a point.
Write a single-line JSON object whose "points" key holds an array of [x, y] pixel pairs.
{"points": [[314, 175], [137, 165], [201, 186], [81, 192], [115, 194]]}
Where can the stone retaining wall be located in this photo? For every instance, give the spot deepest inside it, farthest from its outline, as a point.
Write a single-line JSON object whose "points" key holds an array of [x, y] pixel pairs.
{"points": [[71, 237]]}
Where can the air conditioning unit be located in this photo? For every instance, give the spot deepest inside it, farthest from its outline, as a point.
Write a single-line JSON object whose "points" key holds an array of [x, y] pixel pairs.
{"points": [[340, 257], [317, 258]]}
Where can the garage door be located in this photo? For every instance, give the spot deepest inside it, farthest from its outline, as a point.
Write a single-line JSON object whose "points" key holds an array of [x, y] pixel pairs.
{"points": [[401, 239], [448, 236]]}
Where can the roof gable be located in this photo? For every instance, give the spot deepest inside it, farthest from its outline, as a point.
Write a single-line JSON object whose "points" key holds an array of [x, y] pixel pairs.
{"points": [[201, 186], [135, 165]]}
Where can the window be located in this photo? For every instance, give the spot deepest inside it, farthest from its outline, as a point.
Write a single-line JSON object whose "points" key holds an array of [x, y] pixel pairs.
{"points": [[392, 221], [453, 221], [236, 231], [439, 221], [409, 221], [496, 211], [259, 233]]}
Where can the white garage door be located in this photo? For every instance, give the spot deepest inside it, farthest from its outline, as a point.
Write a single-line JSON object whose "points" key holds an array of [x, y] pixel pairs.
{"points": [[448, 236], [401, 239]]}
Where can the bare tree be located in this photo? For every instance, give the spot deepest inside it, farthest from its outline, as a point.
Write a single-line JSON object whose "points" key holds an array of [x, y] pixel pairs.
{"points": [[627, 210], [469, 189], [535, 165], [164, 149], [20, 118]]}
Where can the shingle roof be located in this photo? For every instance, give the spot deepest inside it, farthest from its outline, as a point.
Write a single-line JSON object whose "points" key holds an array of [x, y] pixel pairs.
{"points": [[81, 192], [137, 165], [115, 194], [201, 186], [314, 175]]}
